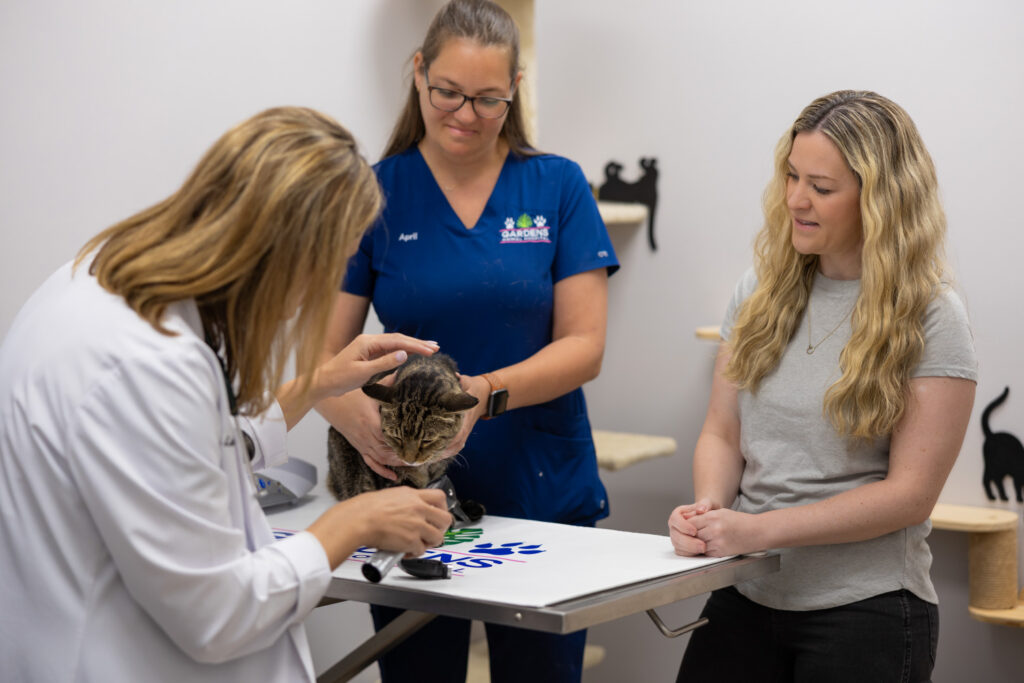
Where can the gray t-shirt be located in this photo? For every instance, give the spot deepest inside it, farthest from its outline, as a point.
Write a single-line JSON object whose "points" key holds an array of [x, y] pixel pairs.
{"points": [[794, 456]]}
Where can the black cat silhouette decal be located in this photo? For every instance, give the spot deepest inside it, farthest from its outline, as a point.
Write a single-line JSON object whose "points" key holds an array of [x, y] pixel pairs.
{"points": [[1004, 456], [643, 191]]}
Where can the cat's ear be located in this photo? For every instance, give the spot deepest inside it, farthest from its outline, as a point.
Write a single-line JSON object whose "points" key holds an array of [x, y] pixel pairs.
{"points": [[379, 392], [458, 401], [381, 375]]}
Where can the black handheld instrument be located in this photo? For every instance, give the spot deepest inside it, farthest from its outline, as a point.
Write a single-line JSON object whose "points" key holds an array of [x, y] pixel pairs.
{"points": [[384, 561]]}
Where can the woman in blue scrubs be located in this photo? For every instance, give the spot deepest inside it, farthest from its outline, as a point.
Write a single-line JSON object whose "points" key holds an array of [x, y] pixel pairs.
{"points": [[496, 251]]}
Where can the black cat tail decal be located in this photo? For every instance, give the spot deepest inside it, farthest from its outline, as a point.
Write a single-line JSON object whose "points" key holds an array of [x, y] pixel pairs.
{"points": [[1003, 454], [988, 411]]}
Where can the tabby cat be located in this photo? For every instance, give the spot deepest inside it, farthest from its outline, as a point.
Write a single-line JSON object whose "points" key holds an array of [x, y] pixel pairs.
{"points": [[420, 414]]}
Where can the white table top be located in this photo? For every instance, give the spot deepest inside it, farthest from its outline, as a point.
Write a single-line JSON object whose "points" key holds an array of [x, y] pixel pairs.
{"points": [[551, 577]]}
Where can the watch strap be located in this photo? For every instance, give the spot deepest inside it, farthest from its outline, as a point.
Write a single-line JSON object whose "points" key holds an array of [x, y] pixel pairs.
{"points": [[494, 381]]}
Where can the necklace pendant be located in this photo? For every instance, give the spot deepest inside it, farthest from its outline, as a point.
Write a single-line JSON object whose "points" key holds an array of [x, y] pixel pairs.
{"points": [[810, 350]]}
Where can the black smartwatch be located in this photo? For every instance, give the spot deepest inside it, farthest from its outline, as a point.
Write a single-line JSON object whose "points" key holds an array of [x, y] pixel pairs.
{"points": [[497, 401]]}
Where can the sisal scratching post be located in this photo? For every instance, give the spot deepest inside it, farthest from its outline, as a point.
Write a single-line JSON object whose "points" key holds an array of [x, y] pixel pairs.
{"points": [[992, 569]]}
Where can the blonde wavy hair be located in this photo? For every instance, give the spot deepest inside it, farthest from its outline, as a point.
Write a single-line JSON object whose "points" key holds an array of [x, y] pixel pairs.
{"points": [[263, 225], [902, 264]]}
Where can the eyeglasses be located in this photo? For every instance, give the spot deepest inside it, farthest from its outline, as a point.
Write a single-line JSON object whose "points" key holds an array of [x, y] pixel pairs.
{"points": [[484, 106]]}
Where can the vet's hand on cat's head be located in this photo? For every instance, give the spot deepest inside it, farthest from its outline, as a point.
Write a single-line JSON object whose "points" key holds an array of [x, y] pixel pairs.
{"points": [[365, 356], [478, 387]]}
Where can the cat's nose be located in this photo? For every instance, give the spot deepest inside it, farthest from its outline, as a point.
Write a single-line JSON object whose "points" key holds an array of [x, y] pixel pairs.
{"points": [[409, 455]]}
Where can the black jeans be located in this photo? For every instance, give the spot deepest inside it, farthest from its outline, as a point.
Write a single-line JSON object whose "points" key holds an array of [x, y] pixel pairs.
{"points": [[888, 638]]}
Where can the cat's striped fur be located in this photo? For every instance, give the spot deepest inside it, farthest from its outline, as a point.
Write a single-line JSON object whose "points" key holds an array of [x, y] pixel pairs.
{"points": [[419, 415]]}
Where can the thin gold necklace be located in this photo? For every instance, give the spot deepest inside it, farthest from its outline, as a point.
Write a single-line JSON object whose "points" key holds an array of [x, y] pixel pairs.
{"points": [[812, 347]]}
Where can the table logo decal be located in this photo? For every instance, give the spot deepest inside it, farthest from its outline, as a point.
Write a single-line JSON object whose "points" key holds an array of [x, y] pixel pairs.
{"points": [[514, 548], [456, 536], [478, 556]]}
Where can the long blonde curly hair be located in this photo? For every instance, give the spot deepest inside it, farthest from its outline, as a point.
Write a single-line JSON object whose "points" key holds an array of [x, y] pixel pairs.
{"points": [[902, 264]]}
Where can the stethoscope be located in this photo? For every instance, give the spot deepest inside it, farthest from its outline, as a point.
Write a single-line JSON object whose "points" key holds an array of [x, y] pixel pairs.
{"points": [[250, 447]]}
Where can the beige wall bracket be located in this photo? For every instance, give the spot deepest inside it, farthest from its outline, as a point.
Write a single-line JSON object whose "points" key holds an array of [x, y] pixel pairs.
{"points": [[616, 450], [709, 332], [622, 213]]}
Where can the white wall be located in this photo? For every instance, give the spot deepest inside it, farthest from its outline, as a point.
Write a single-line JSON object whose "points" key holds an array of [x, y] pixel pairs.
{"points": [[107, 104]]}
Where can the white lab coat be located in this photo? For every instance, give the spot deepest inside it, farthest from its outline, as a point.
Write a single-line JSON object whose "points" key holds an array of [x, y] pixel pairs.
{"points": [[132, 547]]}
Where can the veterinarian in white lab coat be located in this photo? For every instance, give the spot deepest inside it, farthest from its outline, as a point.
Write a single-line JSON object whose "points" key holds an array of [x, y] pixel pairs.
{"points": [[132, 547]]}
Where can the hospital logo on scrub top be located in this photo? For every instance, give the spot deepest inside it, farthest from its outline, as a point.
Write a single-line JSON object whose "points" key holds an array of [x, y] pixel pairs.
{"points": [[525, 229]]}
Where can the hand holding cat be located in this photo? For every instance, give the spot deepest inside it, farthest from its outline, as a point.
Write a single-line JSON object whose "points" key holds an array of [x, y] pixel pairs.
{"points": [[349, 369], [480, 388], [359, 421]]}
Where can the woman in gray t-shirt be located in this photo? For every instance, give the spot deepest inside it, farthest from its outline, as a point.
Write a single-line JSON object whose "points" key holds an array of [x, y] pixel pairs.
{"points": [[839, 403]]}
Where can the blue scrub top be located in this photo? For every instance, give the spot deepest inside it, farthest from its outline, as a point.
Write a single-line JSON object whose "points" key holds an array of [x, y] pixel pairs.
{"points": [[486, 296]]}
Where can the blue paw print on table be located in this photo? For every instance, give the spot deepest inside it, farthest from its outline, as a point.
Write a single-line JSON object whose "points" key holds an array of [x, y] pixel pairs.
{"points": [[515, 548]]}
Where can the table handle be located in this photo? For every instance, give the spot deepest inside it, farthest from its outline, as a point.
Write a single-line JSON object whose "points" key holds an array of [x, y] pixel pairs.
{"points": [[674, 633]]}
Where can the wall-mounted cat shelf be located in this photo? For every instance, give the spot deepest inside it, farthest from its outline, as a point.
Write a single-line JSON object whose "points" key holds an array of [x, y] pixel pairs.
{"points": [[622, 213], [643, 191], [991, 560], [616, 450], [709, 332]]}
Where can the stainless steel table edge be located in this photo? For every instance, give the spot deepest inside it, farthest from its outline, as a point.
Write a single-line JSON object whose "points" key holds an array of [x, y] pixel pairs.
{"points": [[570, 615]]}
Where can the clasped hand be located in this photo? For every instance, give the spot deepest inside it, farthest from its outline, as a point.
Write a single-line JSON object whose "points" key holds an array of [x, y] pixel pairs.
{"points": [[706, 528]]}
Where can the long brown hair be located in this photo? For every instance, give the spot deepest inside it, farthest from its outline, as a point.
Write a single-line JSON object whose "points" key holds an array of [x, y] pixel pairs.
{"points": [[264, 223], [902, 264], [487, 24]]}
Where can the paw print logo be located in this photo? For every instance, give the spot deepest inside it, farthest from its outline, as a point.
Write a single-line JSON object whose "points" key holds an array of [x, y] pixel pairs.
{"points": [[516, 548], [510, 223], [540, 221], [456, 536]]}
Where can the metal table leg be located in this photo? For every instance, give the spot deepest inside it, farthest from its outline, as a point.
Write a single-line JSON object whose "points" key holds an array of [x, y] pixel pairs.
{"points": [[376, 647]]}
